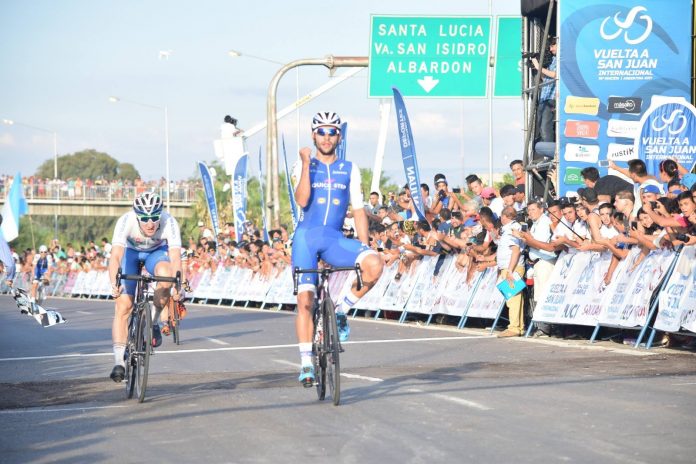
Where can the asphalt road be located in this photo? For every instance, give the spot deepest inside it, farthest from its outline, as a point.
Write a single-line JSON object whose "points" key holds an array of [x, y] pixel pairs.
{"points": [[229, 393]]}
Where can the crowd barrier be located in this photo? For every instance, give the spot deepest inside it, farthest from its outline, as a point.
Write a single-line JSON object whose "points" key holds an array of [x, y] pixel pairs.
{"points": [[659, 286]]}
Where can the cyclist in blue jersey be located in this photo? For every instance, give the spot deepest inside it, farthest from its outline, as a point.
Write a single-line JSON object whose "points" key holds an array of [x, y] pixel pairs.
{"points": [[325, 186], [43, 263]]}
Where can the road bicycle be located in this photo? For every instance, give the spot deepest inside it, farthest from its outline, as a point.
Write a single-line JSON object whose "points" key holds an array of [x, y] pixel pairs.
{"points": [[175, 312], [326, 345], [139, 344]]}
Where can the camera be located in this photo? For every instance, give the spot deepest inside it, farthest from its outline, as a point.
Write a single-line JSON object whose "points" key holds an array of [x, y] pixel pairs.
{"points": [[441, 194], [525, 227], [634, 225], [457, 190], [530, 55], [653, 204], [683, 237]]}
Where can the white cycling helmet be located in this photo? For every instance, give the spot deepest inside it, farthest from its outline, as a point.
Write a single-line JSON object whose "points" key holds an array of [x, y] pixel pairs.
{"points": [[43, 249], [147, 204], [326, 118]]}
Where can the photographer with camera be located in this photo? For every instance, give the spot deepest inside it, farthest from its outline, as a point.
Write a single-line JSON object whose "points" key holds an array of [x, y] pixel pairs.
{"points": [[511, 267], [443, 198], [547, 95]]}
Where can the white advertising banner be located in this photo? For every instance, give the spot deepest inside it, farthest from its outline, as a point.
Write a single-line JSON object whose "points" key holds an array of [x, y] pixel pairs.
{"points": [[674, 298]]}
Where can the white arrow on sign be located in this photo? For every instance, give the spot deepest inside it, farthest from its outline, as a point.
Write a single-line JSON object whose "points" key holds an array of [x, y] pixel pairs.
{"points": [[428, 83]]}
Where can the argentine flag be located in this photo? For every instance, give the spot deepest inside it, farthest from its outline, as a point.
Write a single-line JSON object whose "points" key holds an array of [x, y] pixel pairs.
{"points": [[14, 208]]}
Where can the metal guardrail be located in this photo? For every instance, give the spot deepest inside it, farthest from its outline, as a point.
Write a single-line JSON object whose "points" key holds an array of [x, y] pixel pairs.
{"points": [[99, 193]]}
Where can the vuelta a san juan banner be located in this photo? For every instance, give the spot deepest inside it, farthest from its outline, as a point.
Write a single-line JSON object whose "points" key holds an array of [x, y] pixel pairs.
{"points": [[613, 58]]}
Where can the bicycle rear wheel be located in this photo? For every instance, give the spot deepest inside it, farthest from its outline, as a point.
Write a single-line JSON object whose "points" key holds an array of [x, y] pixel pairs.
{"points": [[332, 347], [319, 355], [143, 350]]}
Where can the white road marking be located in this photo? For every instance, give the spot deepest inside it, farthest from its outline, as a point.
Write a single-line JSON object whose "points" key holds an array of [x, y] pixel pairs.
{"points": [[84, 408], [584, 345], [689, 383], [454, 399], [362, 377], [216, 341], [235, 348], [343, 374], [84, 312]]}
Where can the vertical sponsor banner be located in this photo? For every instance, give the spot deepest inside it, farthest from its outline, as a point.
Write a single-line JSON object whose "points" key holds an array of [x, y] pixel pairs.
{"points": [[261, 197], [239, 194], [667, 130], [210, 196], [619, 293], [291, 192], [557, 305], [613, 57], [341, 148], [487, 298], [408, 152], [673, 303], [583, 305]]}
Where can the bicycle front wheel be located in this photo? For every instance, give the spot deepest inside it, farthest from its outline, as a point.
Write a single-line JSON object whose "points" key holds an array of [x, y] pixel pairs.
{"points": [[332, 348], [143, 350], [133, 335], [319, 354], [41, 294], [175, 321]]}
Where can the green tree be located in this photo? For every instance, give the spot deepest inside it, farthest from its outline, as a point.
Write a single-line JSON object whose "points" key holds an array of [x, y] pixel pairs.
{"points": [[88, 164], [385, 183]]}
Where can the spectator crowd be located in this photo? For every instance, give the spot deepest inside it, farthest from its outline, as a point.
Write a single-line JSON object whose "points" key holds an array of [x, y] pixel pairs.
{"points": [[481, 227]]}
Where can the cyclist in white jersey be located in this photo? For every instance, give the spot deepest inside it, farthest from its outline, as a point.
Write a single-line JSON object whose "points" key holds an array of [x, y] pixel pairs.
{"points": [[149, 236]]}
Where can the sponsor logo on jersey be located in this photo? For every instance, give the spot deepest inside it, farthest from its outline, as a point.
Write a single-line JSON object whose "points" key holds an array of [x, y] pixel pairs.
{"points": [[336, 201], [329, 185], [582, 129], [581, 105], [624, 105], [585, 153], [321, 200]]}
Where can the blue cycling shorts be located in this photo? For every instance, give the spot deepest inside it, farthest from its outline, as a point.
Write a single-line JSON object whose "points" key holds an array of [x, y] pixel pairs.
{"points": [[314, 243], [131, 262]]}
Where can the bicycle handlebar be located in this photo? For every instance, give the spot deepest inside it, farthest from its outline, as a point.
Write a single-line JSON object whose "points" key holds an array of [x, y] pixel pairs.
{"points": [[148, 279], [325, 273]]}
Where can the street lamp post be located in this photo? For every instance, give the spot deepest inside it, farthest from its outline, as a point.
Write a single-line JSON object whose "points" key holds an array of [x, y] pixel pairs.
{"points": [[113, 99], [11, 122], [272, 175]]}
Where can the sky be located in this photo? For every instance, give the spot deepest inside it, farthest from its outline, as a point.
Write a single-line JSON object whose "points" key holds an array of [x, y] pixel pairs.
{"points": [[62, 60]]}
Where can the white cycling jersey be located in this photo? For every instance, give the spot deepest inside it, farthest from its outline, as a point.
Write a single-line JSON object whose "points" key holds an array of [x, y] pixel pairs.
{"points": [[128, 234]]}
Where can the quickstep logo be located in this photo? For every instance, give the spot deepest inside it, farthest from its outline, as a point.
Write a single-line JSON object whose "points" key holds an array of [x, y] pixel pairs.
{"points": [[624, 105]]}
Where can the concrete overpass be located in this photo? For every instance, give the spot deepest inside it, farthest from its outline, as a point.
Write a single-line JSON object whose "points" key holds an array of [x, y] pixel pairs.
{"points": [[98, 202]]}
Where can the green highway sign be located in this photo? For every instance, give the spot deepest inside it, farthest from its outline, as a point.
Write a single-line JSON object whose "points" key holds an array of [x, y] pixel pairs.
{"points": [[429, 56], [508, 57]]}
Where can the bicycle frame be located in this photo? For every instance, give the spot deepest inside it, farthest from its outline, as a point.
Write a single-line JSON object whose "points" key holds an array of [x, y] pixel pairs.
{"points": [[326, 344], [139, 343]]}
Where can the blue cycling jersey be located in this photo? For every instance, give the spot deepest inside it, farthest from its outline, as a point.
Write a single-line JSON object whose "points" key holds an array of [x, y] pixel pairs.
{"points": [[318, 234], [330, 194], [41, 267]]}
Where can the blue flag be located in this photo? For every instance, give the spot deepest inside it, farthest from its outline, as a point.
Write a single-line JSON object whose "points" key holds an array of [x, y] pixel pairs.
{"points": [[408, 153], [291, 193], [263, 201], [341, 148], [210, 196], [14, 208]]}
